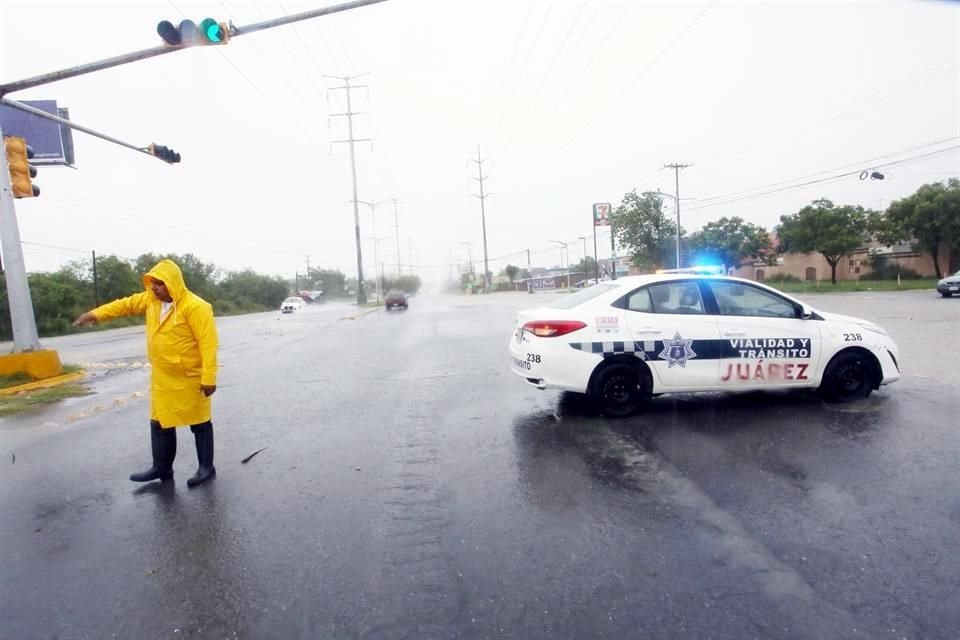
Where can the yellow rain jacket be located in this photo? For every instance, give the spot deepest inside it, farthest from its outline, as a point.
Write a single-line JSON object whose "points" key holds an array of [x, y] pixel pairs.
{"points": [[182, 346]]}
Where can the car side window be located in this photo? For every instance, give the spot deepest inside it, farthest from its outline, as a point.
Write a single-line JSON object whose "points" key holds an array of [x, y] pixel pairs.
{"points": [[738, 299], [640, 301], [676, 297]]}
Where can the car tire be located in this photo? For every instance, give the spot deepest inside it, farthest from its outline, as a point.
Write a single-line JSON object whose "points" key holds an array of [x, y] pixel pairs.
{"points": [[848, 377], [620, 389], [947, 294]]}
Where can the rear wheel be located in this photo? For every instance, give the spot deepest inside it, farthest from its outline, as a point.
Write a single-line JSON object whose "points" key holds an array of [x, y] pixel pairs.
{"points": [[946, 294], [848, 377], [620, 389]]}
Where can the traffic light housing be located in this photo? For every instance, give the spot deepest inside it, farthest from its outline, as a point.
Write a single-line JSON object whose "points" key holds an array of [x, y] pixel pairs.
{"points": [[166, 154], [188, 34], [21, 171]]}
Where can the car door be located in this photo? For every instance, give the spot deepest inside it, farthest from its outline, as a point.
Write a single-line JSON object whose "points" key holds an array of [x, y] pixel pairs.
{"points": [[674, 334], [765, 340]]}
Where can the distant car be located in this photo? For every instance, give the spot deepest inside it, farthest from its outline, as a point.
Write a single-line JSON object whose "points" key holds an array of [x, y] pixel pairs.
{"points": [[396, 299], [949, 285], [622, 341], [292, 304]]}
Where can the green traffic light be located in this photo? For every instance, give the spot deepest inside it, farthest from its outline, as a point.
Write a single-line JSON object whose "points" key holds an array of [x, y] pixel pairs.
{"points": [[211, 30]]}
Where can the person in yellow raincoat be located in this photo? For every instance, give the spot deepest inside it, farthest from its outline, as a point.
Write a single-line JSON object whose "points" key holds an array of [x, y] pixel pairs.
{"points": [[182, 348]]}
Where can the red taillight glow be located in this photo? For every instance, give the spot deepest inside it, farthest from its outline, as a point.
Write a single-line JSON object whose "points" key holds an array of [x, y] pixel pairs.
{"points": [[553, 328]]}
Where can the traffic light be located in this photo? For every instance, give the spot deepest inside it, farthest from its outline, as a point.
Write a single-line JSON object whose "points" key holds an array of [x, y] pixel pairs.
{"points": [[166, 154], [189, 34], [21, 171]]}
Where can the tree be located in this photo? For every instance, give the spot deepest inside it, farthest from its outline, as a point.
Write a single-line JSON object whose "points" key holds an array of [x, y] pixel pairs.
{"points": [[511, 272], [587, 265], [644, 230], [730, 241], [116, 278], [330, 281], [821, 227], [931, 217]]}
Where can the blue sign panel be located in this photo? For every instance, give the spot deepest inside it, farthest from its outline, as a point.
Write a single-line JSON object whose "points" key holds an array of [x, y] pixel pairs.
{"points": [[52, 143]]}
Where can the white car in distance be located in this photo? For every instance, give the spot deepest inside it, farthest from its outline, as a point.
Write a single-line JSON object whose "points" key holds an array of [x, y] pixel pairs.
{"points": [[291, 304], [621, 341]]}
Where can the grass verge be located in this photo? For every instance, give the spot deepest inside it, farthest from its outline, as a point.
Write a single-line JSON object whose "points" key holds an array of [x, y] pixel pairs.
{"points": [[852, 285], [10, 405]]}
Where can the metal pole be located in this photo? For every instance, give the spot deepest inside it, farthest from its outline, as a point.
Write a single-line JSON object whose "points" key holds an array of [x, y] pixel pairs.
{"points": [[96, 296], [361, 295], [676, 166], [529, 274], [483, 221], [126, 58], [613, 253], [396, 231], [596, 263], [22, 320], [676, 176], [69, 123]]}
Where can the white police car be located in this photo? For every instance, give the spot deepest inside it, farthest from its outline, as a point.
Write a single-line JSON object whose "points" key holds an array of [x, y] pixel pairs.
{"points": [[621, 341]]}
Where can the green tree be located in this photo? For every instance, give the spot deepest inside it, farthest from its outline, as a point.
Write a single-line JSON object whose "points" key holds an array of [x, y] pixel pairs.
{"points": [[586, 265], [116, 278], [730, 241], [930, 218], [57, 298], [643, 229], [408, 283], [821, 227], [511, 272], [200, 277], [243, 289], [331, 282]]}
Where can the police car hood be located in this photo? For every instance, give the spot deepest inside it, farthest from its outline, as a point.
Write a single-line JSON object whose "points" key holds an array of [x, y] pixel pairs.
{"points": [[837, 317]]}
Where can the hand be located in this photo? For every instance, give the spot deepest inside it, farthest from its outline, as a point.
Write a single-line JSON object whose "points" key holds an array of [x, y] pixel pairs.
{"points": [[208, 389], [85, 318]]}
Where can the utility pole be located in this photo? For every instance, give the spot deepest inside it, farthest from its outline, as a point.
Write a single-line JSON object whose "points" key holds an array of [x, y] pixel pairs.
{"points": [[483, 215], [349, 113], [307, 280], [676, 166], [96, 296], [396, 231]]}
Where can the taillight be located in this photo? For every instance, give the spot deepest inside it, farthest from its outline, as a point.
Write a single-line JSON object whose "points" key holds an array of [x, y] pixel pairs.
{"points": [[553, 328]]}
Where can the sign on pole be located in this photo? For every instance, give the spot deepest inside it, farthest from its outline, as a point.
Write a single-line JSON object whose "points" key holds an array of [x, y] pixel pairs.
{"points": [[601, 214], [52, 142]]}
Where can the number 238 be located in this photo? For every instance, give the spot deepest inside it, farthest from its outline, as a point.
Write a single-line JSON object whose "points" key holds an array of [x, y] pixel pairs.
{"points": [[852, 337], [533, 357]]}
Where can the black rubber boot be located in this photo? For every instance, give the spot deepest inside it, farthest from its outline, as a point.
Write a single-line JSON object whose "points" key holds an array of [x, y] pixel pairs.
{"points": [[203, 434], [163, 444]]}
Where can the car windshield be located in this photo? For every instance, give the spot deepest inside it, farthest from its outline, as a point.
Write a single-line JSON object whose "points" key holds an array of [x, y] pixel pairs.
{"points": [[578, 298], [290, 300]]}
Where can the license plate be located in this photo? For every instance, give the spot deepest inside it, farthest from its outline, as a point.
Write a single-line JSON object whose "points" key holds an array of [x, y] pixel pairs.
{"points": [[954, 288]]}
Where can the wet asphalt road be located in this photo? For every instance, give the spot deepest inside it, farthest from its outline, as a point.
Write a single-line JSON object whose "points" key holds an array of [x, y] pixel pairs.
{"points": [[412, 487]]}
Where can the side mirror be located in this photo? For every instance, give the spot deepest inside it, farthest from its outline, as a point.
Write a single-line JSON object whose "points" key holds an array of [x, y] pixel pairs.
{"points": [[805, 312]]}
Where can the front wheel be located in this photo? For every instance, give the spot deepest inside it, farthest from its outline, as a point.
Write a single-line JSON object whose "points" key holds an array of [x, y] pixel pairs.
{"points": [[848, 377], [946, 294], [619, 390]]}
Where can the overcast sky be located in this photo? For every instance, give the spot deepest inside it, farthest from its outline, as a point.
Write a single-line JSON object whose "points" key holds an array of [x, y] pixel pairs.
{"points": [[571, 103]]}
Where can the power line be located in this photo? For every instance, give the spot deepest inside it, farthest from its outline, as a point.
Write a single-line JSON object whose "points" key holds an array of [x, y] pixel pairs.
{"points": [[860, 164], [845, 111], [642, 71], [826, 179]]}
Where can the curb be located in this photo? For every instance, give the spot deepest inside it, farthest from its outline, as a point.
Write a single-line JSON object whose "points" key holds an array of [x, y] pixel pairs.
{"points": [[361, 313], [55, 381]]}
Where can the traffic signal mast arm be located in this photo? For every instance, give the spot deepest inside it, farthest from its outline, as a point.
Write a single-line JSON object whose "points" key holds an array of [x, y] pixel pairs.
{"points": [[167, 155], [127, 58]]}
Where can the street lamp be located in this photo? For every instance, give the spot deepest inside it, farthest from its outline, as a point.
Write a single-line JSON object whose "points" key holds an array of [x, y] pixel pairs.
{"points": [[676, 207], [585, 272], [563, 248]]}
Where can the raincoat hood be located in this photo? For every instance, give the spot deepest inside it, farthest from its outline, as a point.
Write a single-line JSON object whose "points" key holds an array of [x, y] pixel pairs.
{"points": [[167, 272]]}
